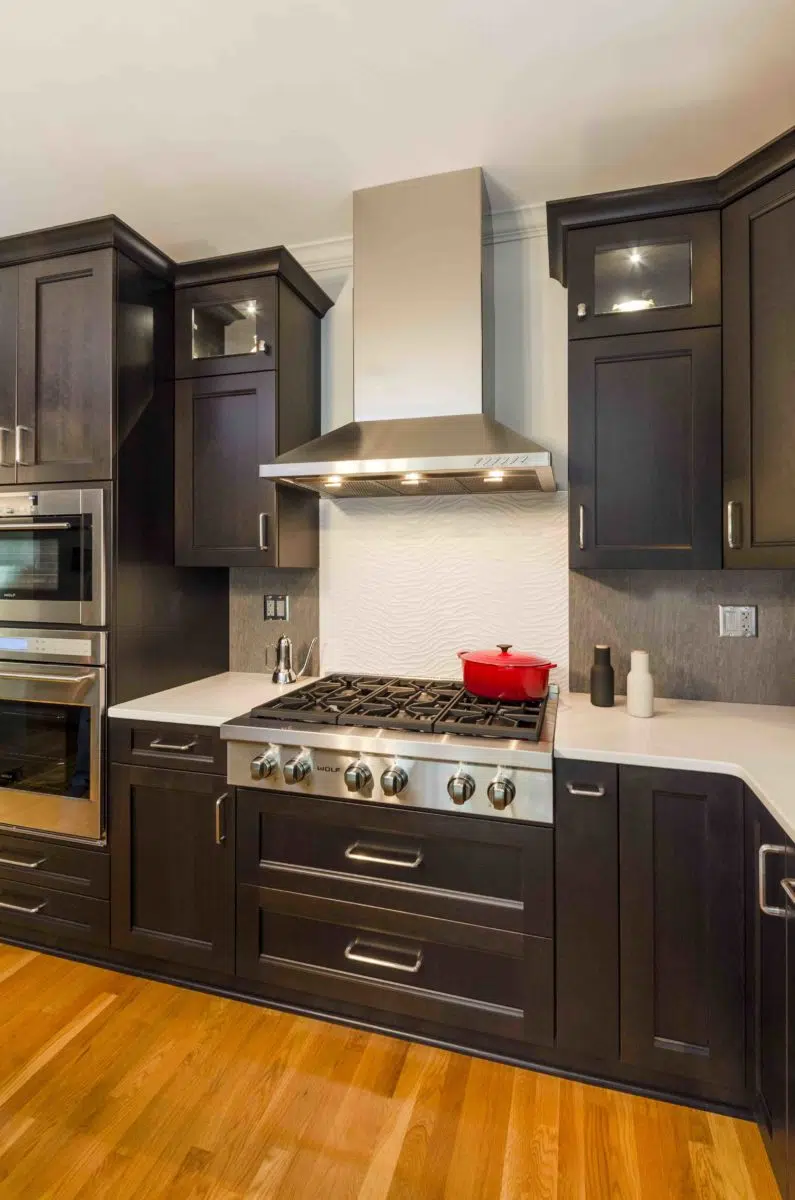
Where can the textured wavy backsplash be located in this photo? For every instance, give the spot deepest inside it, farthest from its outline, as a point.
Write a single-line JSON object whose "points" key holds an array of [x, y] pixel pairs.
{"points": [[405, 583]]}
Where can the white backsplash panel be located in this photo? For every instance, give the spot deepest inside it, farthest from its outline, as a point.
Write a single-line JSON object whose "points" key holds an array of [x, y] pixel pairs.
{"points": [[406, 583]]}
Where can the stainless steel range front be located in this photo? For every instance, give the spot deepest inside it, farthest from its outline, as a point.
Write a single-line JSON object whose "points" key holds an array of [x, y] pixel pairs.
{"points": [[423, 743]]}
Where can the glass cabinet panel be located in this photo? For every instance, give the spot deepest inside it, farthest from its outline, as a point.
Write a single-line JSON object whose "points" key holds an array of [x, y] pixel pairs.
{"points": [[222, 329], [633, 278]]}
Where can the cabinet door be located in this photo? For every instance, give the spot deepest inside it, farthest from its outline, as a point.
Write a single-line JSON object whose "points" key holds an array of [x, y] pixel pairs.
{"points": [[682, 924], [644, 451], [759, 377], [225, 514], [641, 276], [173, 866], [65, 372], [224, 328], [770, 940], [8, 372]]}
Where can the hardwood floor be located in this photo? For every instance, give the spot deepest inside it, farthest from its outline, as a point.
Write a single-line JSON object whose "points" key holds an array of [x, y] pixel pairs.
{"points": [[117, 1087]]}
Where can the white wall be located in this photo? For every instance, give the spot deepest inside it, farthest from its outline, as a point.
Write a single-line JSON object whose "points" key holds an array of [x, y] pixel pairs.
{"points": [[405, 583]]}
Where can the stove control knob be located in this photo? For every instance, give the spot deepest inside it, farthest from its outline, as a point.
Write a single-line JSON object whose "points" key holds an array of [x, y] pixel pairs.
{"points": [[263, 766], [501, 793], [358, 776], [393, 781], [296, 770], [460, 788]]}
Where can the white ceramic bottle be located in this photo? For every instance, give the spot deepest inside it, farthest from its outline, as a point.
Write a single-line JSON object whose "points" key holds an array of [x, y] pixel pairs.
{"points": [[640, 686]]}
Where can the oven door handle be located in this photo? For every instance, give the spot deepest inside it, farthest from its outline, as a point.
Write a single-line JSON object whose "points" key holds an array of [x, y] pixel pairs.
{"points": [[33, 526], [30, 677]]}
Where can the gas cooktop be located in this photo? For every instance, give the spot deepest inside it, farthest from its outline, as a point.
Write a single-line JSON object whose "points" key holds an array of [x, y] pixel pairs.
{"points": [[430, 706]]}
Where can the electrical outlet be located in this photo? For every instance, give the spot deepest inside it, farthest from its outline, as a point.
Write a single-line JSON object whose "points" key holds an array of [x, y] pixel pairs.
{"points": [[277, 608], [737, 620]]}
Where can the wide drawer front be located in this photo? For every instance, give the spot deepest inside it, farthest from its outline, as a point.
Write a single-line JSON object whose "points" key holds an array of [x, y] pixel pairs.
{"points": [[440, 971], [58, 917], [178, 747], [488, 872], [56, 865]]}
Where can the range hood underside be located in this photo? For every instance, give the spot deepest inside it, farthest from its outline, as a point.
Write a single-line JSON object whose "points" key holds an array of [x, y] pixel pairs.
{"points": [[450, 455]]}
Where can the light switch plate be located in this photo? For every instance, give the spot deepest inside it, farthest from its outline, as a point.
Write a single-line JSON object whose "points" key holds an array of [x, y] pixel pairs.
{"points": [[737, 620], [277, 608]]}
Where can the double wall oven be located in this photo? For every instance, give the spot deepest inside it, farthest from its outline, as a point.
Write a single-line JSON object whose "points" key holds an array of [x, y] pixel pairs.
{"points": [[53, 653]]}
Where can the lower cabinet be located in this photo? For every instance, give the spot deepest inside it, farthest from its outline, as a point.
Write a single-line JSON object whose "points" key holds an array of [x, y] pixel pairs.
{"points": [[172, 836]]}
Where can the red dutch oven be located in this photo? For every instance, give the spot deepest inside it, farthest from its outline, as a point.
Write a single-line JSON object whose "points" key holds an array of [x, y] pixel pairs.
{"points": [[501, 675]]}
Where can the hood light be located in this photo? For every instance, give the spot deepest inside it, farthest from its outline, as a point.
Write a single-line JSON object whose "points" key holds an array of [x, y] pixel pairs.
{"points": [[413, 477], [633, 305], [494, 477], [334, 481]]}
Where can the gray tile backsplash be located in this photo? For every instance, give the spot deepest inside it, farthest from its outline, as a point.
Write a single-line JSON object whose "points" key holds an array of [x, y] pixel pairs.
{"points": [[674, 615], [252, 640]]}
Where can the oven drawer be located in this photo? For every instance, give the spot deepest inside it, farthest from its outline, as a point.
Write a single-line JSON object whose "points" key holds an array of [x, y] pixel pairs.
{"points": [[56, 918], [476, 870], [55, 865], [439, 971], [178, 747]]}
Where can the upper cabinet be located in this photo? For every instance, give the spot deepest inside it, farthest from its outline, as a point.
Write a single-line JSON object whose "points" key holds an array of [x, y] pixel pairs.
{"points": [[682, 368], [642, 276], [247, 361], [759, 377]]}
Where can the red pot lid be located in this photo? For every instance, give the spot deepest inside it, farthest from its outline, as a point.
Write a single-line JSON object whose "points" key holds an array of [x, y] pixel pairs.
{"points": [[503, 656]]}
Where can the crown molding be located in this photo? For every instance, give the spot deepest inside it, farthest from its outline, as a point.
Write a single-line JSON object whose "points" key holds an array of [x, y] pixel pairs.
{"points": [[509, 225]]}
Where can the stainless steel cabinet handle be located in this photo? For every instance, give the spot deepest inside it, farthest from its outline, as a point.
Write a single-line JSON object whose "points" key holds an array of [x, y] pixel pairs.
{"points": [[14, 860], [769, 909], [172, 746], [5, 438], [373, 960], [23, 908], [30, 677], [263, 531], [18, 450], [35, 526], [789, 889], [220, 835], [734, 532], [581, 538], [579, 789], [360, 852], [582, 311]]}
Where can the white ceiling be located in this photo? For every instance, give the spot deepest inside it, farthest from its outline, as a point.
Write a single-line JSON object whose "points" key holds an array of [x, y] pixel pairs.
{"points": [[214, 126]]}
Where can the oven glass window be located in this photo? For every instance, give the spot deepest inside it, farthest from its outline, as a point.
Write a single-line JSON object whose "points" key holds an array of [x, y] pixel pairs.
{"points": [[45, 748], [39, 564]]}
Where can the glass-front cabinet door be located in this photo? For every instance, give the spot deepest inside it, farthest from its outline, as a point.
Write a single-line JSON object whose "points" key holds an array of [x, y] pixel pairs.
{"points": [[641, 276], [225, 328]]}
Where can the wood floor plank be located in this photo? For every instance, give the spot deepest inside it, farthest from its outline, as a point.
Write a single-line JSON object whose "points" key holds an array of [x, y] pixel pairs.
{"points": [[118, 1087]]}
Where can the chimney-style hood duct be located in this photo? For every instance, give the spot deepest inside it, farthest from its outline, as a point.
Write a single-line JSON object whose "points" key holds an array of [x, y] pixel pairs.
{"points": [[422, 357]]}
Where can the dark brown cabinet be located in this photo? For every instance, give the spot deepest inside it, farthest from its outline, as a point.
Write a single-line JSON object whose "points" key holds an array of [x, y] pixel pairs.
{"points": [[682, 945], [644, 450], [248, 389], [759, 377], [172, 836], [645, 276], [56, 377]]}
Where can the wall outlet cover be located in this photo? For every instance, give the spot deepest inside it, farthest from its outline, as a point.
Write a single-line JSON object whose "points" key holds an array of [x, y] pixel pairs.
{"points": [[277, 608], [737, 620]]}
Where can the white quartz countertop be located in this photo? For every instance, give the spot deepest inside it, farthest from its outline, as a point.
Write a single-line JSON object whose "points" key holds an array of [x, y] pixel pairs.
{"points": [[210, 701], [755, 742]]}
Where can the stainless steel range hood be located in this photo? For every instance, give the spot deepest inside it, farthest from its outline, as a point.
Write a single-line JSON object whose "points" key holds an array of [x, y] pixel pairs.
{"points": [[423, 357]]}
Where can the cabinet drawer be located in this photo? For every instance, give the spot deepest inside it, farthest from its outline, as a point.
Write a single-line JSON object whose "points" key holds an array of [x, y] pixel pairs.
{"points": [[465, 976], [496, 873], [64, 868], [178, 747], [27, 910]]}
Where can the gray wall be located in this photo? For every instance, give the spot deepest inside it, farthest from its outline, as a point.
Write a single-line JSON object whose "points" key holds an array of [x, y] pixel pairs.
{"points": [[252, 640], [674, 615]]}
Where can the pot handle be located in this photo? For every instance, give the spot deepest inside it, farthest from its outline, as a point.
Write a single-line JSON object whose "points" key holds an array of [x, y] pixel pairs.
{"points": [[461, 653]]}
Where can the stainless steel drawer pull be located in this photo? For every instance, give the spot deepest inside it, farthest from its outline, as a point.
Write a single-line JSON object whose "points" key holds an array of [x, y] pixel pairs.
{"points": [[579, 789], [14, 860], [172, 746], [770, 910], [734, 531], [361, 955], [220, 834], [789, 889], [581, 539], [40, 677], [23, 908], [263, 531], [5, 438], [18, 449], [383, 856]]}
